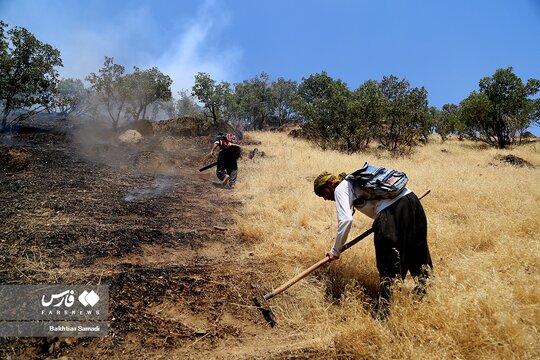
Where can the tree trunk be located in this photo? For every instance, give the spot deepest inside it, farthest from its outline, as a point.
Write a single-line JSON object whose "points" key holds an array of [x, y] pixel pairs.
{"points": [[4, 122], [5, 114]]}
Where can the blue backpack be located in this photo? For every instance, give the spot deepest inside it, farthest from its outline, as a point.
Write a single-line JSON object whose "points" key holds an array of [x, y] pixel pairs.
{"points": [[378, 182]]}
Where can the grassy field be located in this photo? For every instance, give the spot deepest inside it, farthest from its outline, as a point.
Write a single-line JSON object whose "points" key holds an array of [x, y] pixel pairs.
{"points": [[483, 232]]}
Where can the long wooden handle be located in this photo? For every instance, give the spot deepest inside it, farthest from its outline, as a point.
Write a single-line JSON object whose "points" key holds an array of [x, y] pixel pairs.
{"points": [[424, 194], [321, 262], [315, 266], [297, 278]]}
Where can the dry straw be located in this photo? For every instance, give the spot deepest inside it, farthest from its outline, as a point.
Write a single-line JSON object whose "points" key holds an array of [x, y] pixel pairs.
{"points": [[484, 223]]}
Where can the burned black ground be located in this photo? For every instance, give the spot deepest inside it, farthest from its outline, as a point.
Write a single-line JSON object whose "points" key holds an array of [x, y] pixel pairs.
{"points": [[139, 218]]}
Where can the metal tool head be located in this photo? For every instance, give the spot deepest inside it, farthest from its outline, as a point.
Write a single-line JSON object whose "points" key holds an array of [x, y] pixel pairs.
{"points": [[261, 304]]}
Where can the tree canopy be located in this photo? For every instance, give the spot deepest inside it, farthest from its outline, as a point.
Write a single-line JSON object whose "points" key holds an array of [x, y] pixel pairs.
{"points": [[213, 95], [71, 98], [501, 108], [144, 88], [110, 87], [389, 112], [27, 73], [323, 103], [127, 96]]}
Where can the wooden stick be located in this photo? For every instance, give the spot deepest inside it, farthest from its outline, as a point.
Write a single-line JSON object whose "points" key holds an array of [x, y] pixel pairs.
{"points": [[321, 262]]}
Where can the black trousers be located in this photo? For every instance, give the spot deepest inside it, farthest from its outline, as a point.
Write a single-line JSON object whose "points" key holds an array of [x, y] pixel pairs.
{"points": [[400, 233], [227, 165]]}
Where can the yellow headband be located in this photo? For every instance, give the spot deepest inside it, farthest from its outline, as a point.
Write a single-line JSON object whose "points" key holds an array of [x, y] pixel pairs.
{"points": [[321, 180]]}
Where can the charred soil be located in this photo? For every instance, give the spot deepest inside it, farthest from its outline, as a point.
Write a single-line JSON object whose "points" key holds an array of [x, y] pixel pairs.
{"points": [[141, 219]]}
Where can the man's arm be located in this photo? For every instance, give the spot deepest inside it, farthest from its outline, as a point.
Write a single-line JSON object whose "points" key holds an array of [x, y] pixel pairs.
{"points": [[344, 217], [214, 148]]}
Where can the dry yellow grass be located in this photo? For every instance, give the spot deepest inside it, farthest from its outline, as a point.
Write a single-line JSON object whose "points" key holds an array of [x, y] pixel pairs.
{"points": [[484, 224]]}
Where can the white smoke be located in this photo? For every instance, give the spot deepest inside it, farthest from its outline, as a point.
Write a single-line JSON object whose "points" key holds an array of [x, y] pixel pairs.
{"points": [[134, 34], [193, 51]]}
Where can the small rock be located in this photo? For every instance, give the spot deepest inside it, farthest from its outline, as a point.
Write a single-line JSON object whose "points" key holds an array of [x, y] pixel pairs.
{"points": [[130, 137]]}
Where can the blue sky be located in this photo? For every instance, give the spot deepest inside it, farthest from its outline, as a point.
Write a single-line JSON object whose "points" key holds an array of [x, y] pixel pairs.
{"points": [[445, 46]]}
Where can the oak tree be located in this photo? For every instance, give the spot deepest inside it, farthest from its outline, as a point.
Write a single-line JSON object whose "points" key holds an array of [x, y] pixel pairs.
{"points": [[212, 95], [27, 73]]}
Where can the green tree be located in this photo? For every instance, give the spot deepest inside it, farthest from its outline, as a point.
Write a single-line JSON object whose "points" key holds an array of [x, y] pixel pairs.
{"points": [[110, 87], [187, 106], [323, 102], [145, 87], [406, 110], [284, 93], [534, 111], [504, 109], [368, 108], [161, 107], [213, 95], [447, 122], [422, 116], [71, 98], [475, 113], [27, 73], [255, 101]]}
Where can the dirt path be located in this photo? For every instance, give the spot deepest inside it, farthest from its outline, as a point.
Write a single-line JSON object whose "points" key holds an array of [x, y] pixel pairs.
{"points": [[150, 226]]}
